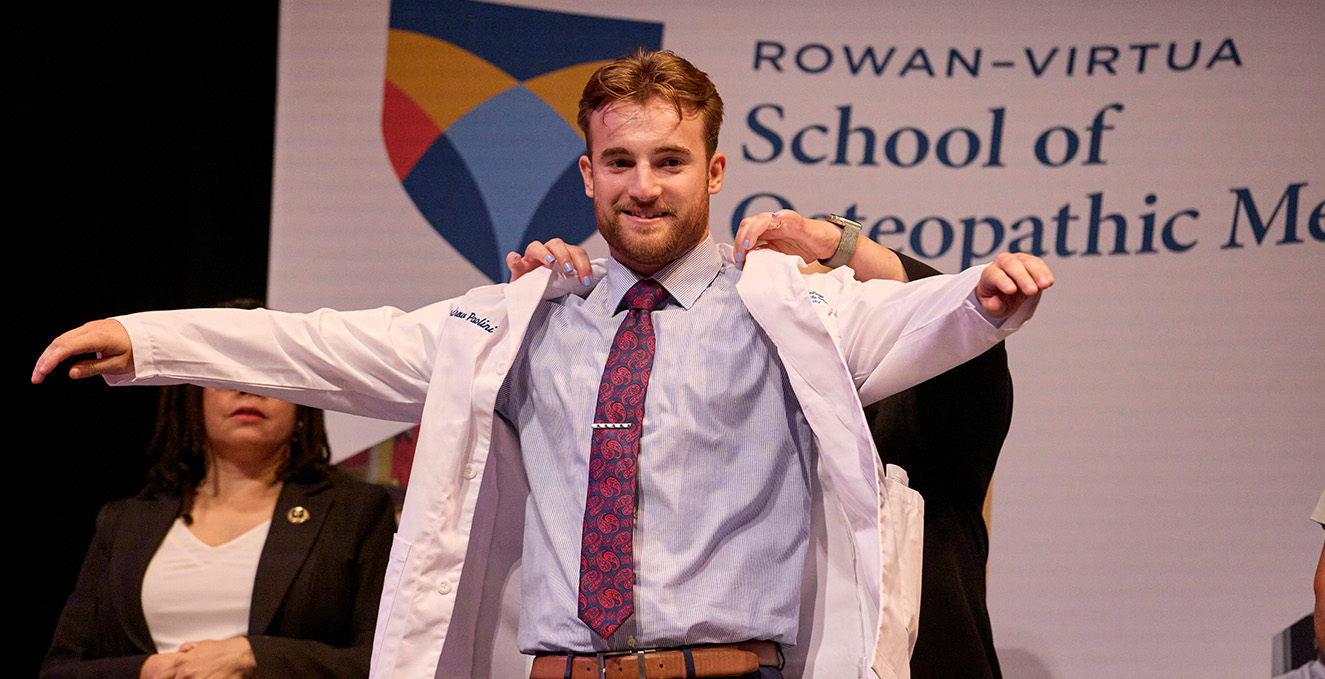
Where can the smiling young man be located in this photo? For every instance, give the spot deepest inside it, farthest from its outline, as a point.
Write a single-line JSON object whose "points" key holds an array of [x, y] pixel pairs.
{"points": [[673, 458], [651, 164]]}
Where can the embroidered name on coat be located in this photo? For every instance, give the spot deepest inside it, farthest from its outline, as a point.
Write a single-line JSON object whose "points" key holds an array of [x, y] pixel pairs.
{"points": [[475, 319]]}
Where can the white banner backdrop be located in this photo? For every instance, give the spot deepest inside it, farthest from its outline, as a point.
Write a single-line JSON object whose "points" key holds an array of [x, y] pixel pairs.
{"points": [[1149, 515]]}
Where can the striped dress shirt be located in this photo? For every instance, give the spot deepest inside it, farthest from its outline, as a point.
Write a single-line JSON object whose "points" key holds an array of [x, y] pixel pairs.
{"points": [[722, 519]]}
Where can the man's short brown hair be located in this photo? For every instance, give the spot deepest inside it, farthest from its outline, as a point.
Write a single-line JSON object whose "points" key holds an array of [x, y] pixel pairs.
{"points": [[641, 76]]}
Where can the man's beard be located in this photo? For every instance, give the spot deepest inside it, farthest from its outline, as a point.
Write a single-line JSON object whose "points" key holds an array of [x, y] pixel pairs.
{"points": [[662, 245]]}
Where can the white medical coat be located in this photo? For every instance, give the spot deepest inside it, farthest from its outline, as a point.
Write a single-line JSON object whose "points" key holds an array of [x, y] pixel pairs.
{"points": [[451, 600]]}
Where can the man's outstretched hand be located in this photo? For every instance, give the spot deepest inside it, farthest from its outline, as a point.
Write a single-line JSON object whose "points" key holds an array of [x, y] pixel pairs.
{"points": [[106, 338], [1011, 279]]}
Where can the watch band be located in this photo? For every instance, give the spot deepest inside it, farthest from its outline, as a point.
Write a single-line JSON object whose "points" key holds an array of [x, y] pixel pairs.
{"points": [[845, 247]]}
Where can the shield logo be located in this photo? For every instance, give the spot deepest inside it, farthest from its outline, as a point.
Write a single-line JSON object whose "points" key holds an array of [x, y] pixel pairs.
{"points": [[479, 116]]}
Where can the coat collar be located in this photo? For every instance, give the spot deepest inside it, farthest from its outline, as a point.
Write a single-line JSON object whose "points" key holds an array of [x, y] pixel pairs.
{"points": [[684, 279]]}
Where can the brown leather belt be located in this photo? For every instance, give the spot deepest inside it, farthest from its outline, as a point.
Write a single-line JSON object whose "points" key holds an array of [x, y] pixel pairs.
{"points": [[718, 660]]}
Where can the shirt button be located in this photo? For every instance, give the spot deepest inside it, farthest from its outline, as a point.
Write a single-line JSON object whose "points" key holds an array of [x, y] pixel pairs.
{"points": [[444, 586], [469, 471], [630, 641]]}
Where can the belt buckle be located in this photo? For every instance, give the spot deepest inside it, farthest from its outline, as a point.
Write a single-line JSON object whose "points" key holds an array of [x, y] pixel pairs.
{"points": [[601, 659]]}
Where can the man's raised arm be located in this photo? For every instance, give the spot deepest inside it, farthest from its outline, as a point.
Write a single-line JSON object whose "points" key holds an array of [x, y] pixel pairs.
{"points": [[1004, 284], [374, 362]]}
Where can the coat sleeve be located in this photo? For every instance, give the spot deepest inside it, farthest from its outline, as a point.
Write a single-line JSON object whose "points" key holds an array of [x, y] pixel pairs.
{"points": [[80, 647], [896, 335], [374, 363], [288, 656]]}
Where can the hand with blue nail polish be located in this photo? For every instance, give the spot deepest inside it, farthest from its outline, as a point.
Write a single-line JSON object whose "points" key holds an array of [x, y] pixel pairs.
{"points": [[812, 240], [563, 258], [787, 232]]}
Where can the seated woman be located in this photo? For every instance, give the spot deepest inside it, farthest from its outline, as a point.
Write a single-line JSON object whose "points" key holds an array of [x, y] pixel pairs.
{"points": [[245, 555]]}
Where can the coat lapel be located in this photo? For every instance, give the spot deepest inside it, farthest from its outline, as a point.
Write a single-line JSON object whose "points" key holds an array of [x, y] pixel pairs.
{"points": [[300, 513], [149, 520], [521, 298], [775, 293]]}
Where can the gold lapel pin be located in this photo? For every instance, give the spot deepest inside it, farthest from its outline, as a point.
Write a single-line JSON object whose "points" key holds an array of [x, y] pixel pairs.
{"points": [[297, 515]]}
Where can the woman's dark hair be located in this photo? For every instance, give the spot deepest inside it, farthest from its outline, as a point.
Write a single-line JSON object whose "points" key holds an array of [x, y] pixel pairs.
{"points": [[178, 444]]}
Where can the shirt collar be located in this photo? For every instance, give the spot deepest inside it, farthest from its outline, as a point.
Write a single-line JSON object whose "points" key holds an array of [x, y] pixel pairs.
{"points": [[685, 278]]}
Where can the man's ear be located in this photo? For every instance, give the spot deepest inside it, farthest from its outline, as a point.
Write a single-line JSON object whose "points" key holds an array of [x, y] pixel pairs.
{"points": [[586, 171], [717, 166]]}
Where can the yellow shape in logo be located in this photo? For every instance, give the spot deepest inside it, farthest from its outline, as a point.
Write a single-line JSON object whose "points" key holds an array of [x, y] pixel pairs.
{"points": [[561, 89], [443, 80]]}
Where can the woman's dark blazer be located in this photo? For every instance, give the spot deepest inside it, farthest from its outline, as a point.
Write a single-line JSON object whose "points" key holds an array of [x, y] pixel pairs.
{"points": [[315, 595]]}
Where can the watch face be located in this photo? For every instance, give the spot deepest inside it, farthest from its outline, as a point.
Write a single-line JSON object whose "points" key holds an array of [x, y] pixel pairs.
{"points": [[842, 221]]}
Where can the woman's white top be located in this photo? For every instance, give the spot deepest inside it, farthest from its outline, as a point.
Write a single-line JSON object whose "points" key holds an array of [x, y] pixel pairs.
{"points": [[193, 591]]}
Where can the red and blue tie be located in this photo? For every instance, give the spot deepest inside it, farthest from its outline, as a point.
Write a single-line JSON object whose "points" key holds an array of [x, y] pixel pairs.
{"points": [[607, 570]]}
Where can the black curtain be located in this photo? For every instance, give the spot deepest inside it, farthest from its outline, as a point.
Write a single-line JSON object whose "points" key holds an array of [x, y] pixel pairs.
{"points": [[143, 181]]}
